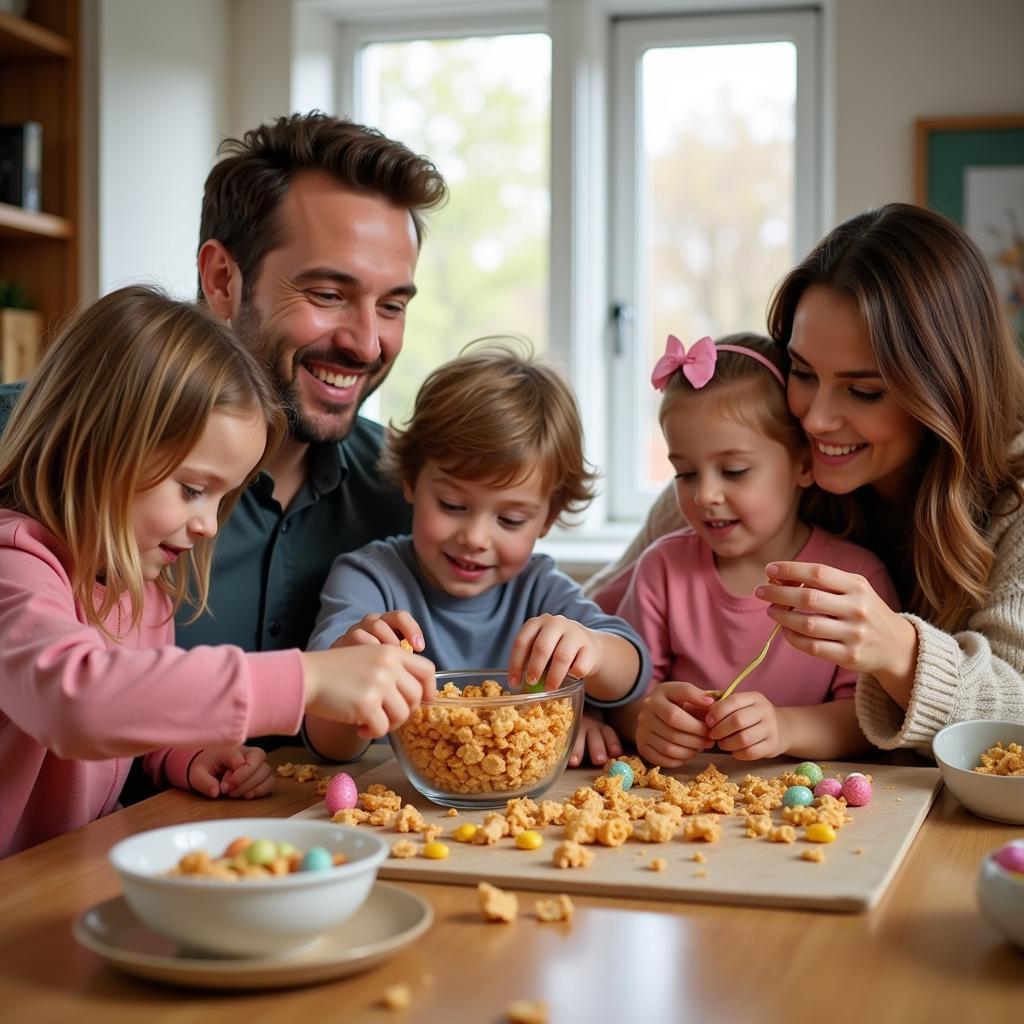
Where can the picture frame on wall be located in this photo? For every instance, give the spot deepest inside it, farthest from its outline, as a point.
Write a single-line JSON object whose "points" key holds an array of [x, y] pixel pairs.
{"points": [[972, 170]]}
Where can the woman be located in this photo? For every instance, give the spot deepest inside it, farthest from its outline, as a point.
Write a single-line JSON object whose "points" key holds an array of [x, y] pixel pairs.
{"points": [[908, 383]]}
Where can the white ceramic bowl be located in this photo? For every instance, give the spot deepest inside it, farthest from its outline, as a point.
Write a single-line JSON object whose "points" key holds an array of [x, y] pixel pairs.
{"points": [[958, 749], [248, 917], [428, 748], [1001, 897]]}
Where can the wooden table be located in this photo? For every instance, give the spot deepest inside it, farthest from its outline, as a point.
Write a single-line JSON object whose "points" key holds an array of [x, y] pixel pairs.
{"points": [[923, 954]]}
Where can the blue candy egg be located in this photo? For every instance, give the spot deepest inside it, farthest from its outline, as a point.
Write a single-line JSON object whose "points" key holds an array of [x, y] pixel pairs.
{"points": [[317, 858], [623, 769], [797, 796]]}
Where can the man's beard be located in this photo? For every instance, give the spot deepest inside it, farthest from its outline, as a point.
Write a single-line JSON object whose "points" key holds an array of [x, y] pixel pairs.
{"points": [[301, 427]]}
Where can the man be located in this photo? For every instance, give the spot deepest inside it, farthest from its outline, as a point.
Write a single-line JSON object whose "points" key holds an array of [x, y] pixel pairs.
{"points": [[310, 233]]}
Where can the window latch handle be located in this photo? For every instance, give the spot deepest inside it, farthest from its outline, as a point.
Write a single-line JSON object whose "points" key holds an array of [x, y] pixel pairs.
{"points": [[624, 316]]}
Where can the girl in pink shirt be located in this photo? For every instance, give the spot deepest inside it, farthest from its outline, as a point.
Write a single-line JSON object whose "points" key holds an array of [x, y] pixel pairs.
{"points": [[125, 452], [742, 467]]}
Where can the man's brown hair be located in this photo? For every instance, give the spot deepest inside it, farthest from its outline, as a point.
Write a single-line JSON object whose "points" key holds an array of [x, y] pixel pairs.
{"points": [[246, 188]]}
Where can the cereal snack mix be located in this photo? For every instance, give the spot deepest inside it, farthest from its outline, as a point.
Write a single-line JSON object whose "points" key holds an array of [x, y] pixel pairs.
{"points": [[496, 904], [500, 749], [1002, 760]]}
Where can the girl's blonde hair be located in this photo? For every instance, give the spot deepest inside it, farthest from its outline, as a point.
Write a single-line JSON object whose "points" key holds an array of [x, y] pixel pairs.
{"points": [[495, 413], [744, 390], [945, 351], [116, 403]]}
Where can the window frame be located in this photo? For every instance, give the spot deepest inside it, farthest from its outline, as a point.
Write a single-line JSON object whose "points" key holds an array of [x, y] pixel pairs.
{"points": [[631, 39], [583, 164]]}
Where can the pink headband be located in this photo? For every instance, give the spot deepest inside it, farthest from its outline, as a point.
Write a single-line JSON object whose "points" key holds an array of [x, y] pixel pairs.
{"points": [[698, 365]]}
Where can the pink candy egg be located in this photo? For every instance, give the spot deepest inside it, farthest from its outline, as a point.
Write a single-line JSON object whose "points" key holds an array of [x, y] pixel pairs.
{"points": [[341, 793], [1011, 857], [829, 787], [857, 789]]}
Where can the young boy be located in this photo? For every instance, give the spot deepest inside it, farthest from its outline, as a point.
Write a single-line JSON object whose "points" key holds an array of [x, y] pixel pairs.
{"points": [[491, 458]]}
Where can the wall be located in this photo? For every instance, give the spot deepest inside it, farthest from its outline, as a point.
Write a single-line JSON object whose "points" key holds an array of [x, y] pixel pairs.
{"points": [[162, 106], [897, 60]]}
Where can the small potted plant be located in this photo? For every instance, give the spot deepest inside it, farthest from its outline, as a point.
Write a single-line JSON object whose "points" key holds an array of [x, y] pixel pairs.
{"points": [[20, 331]]}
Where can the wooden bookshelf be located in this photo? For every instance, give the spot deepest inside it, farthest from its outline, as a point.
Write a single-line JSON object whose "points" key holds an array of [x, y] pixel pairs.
{"points": [[39, 81]]}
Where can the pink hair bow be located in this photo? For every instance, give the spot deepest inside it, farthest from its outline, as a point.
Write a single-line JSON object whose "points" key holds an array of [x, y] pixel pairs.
{"points": [[698, 365]]}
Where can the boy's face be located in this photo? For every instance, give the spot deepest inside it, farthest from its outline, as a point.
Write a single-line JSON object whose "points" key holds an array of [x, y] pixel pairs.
{"points": [[470, 536]]}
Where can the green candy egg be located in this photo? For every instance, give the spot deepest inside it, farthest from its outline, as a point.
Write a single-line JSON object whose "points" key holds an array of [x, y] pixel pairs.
{"points": [[811, 772], [261, 851]]}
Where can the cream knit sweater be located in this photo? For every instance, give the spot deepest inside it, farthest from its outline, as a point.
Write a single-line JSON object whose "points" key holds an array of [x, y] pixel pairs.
{"points": [[977, 672]]}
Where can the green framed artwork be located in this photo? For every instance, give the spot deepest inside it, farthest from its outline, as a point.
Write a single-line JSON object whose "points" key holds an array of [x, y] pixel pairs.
{"points": [[972, 170]]}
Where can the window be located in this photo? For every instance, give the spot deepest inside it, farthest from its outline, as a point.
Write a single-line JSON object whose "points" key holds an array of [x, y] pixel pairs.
{"points": [[663, 168], [713, 200], [479, 106]]}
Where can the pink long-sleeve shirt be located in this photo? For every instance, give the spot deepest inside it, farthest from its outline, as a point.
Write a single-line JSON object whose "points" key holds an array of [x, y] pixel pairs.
{"points": [[75, 707], [700, 633]]}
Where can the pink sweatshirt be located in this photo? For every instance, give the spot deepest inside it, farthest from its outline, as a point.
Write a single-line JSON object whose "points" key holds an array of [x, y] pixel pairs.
{"points": [[698, 632], [76, 707]]}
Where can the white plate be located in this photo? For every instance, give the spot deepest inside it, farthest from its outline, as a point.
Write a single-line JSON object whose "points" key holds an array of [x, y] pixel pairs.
{"points": [[390, 919]]}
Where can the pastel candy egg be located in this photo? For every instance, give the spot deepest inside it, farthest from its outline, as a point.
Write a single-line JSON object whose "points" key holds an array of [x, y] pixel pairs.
{"points": [[435, 851], [819, 832], [829, 787], [797, 796], [857, 789], [317, 859], [810, 771], [1011, 857], [529, 840], [623, 769], [260, 851], [341, 793], [464, 833]]}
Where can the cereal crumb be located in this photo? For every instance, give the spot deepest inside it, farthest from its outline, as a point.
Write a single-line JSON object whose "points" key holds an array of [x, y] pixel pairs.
{"points": [[453, 812], [699, 857], [397, 997], [403, 849], [857, 849], [658, 864], [298, 772], [559, 909], [569, 854], [527, 1011], [815, 854], [700, 873], [495, 904]]}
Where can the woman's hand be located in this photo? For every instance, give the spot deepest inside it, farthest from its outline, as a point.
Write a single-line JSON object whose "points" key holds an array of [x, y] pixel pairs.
{"points": [[670, 727], [838, 617], [595, 738], [383, 628], [553, 647], [746, 725], [238, 772]]}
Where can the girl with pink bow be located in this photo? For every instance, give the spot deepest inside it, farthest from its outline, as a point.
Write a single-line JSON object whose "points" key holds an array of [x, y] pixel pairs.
{"points": [[742, 467]]}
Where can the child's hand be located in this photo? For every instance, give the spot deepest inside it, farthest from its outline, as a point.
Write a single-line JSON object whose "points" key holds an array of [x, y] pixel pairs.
{"points": [[670, 727], [747, 725], [553, 647], [237, 772], [595, 738], [383, 628], [373, 686]]}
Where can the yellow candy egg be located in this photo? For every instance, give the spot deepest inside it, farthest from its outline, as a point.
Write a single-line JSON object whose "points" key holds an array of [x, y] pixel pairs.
{"points": [[819, 832], [464, 833], [435, 851], [529, 840]]}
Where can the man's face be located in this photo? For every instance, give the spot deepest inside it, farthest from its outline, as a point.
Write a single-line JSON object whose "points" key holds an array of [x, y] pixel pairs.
{"points": [[327, 308]]}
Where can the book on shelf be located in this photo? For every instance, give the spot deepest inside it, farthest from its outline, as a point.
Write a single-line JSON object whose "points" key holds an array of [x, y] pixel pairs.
{"points": [[21, 157]]}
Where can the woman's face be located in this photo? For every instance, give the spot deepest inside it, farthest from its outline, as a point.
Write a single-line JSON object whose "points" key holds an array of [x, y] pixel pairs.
{"points": [[859, 434]]}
